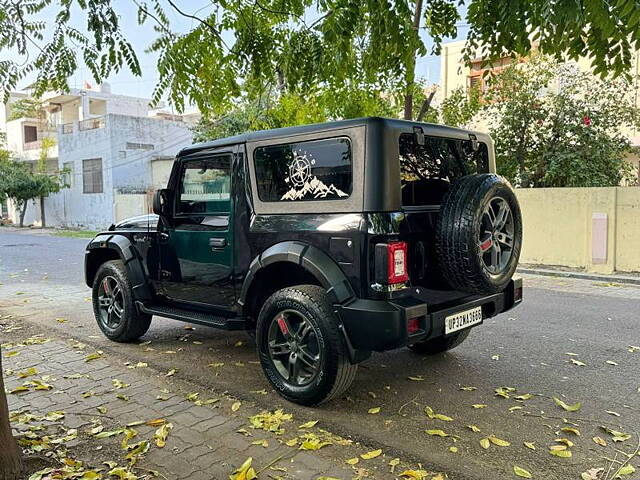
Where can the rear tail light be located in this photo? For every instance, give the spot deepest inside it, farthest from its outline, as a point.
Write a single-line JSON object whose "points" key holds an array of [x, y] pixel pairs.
{"points": [[413, 325], [391, 263]]}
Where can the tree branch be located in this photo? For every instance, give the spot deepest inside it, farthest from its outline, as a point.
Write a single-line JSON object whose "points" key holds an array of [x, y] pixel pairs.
{"points": [[425, 105]]}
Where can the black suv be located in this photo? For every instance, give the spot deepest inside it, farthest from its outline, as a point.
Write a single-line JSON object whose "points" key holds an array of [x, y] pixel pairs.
{"points": [[328, 241]]}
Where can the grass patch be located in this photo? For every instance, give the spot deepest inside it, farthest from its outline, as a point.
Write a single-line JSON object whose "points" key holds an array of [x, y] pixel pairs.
{"points": [[76, 233]]}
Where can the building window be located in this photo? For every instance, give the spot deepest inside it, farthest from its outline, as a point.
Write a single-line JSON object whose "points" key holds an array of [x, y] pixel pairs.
{"points": [[92, 175], [30, 133], [67, 174], [139, 146]]}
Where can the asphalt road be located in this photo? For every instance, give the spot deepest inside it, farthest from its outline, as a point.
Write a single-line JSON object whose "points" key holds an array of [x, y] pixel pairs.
{"points": [[526, 349]]}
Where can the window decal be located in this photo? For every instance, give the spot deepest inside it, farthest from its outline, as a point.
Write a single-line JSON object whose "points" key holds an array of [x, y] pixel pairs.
{"points": [[304, 183]]}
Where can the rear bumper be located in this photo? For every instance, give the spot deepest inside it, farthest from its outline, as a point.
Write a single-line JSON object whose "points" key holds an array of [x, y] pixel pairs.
{"points": [[382, 325]]}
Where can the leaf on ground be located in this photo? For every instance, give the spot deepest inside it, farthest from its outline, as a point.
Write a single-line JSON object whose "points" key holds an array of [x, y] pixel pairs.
{"points": [[521, 472], [93, 356], [569, 408], [611, 362], [374, 410], [565, 441], [13, 353], [628, 469], [122, 473], [414, 474], [498, 441], [216, 364], [271, 422], [193, 396], [485, 443], [633, 348], [561, 453], [171, 373], [417, 378], [236, 406], [102, 409], [313, 443], [592, 474], [479, 405], [352, 461], [263, 443], [573, 430], [310, 424], [611, 412], [118, 384], [155, 422], [513, 409], [468, 389], [504, 391], [530, 445], [526, 396], [19, 389], [245, 472], [600, 441], [473, 428], [571, 354], [111, 433], [393, 463], [27, 373], [371, 454], [437, 433], [578, 362], [122, 397], [161, 434], [616, 435], [453, 449]]}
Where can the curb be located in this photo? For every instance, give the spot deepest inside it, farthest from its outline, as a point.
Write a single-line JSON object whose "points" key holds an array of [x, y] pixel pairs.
{"points": [[581, 275]]}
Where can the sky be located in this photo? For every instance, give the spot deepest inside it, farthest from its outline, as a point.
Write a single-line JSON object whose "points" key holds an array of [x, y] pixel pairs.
{"points": [[126, 83]]}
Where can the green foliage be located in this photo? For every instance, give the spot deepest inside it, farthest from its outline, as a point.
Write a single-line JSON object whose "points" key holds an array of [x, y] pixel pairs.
{"points": [[296, 109], [18, 183], [240, 48], [25, 108], [459, 108], [555, 126]]}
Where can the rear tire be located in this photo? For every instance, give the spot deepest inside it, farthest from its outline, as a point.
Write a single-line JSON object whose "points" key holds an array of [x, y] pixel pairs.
{"points": [[301, 349], [114, 306], [441, 344]]}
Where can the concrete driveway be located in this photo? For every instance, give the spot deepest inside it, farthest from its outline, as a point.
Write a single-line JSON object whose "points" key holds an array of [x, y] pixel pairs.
{"points": [[570, 339]]}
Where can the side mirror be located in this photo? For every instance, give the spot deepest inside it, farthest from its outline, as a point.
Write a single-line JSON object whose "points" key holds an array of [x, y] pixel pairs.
{"points": [[161, 204]]}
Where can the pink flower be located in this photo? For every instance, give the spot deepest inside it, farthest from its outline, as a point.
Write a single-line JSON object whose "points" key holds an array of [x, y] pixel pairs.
{"points": [[586, 120]]}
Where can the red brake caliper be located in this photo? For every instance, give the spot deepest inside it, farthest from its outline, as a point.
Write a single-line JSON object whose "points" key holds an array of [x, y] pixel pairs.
{"points": [[485, 245], [283, 325]]}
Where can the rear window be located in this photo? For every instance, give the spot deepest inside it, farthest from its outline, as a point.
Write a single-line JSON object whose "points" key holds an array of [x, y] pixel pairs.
{"points": [[302, 171], [428, 169]]}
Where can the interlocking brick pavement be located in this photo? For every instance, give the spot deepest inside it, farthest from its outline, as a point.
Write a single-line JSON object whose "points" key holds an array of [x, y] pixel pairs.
{"points": [[204, 443]]}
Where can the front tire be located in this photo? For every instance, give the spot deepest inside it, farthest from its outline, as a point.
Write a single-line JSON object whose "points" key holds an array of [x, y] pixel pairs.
{"points": [[114, 306], [441, 344], [301, 349]]}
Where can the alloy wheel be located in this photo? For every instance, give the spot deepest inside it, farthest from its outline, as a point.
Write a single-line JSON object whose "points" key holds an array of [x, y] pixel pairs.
{"points": [[496, 235], [110, 302], [294, 348]]}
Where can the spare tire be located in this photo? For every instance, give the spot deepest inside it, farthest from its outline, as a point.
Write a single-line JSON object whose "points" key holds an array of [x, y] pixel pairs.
{"points": [[479, 234]]}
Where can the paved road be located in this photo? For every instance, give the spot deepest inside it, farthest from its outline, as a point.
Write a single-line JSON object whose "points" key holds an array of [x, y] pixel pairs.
{"points": [[526, 349]]}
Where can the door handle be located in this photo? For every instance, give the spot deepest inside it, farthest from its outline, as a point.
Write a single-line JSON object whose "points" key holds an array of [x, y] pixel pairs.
{"points": [[217, 243], [164, 237]]}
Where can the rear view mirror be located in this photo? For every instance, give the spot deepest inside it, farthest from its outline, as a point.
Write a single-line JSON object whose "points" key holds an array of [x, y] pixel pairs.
{"points": [[161, 204]]}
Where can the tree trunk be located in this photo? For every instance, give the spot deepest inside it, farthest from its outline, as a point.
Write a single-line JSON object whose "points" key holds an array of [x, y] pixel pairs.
{"points": [[42, 216], [10, 454], [425, 106], [410, 73], [23, 210]]}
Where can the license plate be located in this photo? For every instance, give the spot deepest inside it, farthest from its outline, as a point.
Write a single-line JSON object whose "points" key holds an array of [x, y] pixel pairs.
{"points": [[462, 320]]}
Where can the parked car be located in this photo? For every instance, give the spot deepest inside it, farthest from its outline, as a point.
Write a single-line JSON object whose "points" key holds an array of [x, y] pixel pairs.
{"points": [[328, 241]]}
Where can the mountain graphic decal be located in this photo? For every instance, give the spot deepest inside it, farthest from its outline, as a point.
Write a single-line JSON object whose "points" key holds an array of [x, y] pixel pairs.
{"points": [[315, 188]]}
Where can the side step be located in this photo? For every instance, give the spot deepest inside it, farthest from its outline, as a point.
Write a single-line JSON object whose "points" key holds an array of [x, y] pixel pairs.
{"points": [[191, 316]]}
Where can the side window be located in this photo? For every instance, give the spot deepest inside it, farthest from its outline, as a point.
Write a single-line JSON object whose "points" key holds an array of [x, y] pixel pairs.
{"points": [[205, 186], [92, 175], [313, 170]]}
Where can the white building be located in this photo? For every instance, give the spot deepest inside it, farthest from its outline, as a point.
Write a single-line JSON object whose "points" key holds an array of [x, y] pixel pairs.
{"points": [[116, 154]]}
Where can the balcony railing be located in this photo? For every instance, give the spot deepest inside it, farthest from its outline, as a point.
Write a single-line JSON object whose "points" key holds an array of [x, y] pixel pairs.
{"points": [[91, 124]]}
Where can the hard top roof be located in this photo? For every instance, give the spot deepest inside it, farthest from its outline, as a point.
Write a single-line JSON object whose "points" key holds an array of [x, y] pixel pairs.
{"points": [[316, 127]]}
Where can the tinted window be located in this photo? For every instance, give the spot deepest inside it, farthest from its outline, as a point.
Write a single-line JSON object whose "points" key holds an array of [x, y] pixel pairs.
{"points": [[315, 170], [428, 169], [205, 185]]}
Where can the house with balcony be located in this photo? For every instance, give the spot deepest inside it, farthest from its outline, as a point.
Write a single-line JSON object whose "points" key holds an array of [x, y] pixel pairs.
{"points": [[115, 151]]}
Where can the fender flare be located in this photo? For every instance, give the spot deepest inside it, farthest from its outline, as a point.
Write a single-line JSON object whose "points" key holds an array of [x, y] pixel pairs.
{"points": [[312, 259], [127, 252]]}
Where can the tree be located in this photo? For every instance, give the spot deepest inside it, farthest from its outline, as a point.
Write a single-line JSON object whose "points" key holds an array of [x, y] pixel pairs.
{"points": [[10, 454], [238, 48], [555, 126], [19, 184], [47, 144], [25, 108], [460, 107]]}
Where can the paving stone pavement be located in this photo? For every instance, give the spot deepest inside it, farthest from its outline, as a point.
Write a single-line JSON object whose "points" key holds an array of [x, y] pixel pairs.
{"points": [[204, 442]]}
